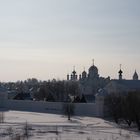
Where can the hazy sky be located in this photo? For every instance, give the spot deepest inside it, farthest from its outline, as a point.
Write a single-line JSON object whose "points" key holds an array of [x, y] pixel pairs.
{"points": [[46, 38]]}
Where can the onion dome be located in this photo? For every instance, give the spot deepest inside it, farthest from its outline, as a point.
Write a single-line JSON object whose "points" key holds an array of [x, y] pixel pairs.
{"points": [[93, 68], [120, 71], [74, 72], [84, 74], [93, 71]]}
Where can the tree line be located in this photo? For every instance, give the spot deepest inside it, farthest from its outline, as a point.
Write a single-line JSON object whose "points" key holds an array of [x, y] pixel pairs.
{"points": [[51, 90], [124, 108]]}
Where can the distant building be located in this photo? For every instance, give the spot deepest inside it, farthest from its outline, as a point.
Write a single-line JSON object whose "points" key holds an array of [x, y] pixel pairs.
{"points": [[122, 86], [90, 82]]}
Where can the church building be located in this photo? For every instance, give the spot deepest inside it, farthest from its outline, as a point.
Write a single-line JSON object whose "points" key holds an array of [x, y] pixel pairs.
{"points": [[91, 83], [122, 86]]}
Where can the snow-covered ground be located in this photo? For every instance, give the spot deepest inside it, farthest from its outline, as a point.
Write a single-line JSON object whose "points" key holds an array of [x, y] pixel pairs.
{"points": [[42, 126]]}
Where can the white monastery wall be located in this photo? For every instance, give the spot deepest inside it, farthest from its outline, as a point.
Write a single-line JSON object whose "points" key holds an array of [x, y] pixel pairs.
{"points": [[84, 109]]}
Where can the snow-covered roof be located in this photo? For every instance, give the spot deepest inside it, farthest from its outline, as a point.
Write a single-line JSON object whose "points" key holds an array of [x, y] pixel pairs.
{"points": [[101, 92], [130, 84]]}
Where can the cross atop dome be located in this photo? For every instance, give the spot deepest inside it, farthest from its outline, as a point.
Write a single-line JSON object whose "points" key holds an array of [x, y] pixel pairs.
{"points": [[93, 62], [120, 66], [73, 68], [74, 72], [120, 72]]}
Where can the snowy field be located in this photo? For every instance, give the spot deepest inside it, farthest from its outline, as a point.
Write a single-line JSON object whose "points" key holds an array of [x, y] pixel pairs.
{"points": [[42, 126]]}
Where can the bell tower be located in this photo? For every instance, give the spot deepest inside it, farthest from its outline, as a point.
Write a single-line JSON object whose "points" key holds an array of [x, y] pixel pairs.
{"points": [[120, 73]]}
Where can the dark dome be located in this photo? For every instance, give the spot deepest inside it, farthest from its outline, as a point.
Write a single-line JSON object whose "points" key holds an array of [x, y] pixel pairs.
{"points": [[93, 68], [74, 72], [120, 71]]}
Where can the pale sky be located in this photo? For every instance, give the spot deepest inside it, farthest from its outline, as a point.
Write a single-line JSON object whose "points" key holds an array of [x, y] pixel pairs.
{"points": [[46, 38]]}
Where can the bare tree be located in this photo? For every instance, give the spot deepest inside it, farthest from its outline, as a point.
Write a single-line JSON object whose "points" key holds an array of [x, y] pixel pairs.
{"points": [[68, 109], [26, 130], [2, 117]]}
